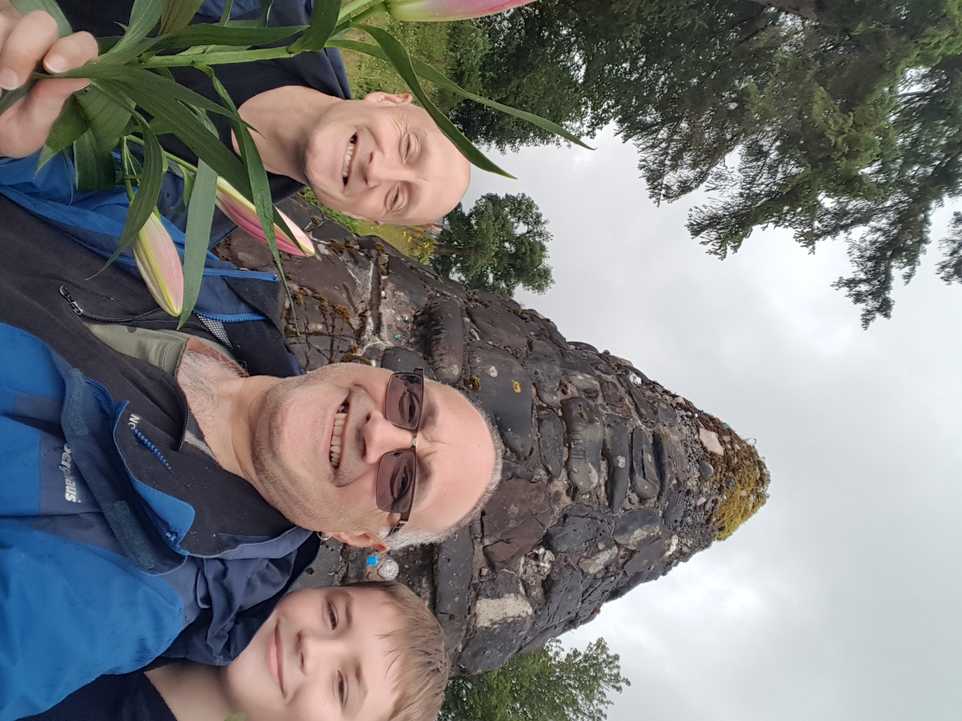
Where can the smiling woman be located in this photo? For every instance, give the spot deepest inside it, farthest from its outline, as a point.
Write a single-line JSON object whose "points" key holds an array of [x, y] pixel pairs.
{"points": [[367, 652]]}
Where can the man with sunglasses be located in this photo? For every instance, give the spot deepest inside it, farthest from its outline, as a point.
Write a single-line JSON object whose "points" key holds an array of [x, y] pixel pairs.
{"points": [[371, 458]]}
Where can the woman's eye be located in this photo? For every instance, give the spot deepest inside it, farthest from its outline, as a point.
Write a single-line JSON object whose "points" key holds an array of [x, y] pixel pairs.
{"points": [[332, 615], [396, 200], [341, 689]]}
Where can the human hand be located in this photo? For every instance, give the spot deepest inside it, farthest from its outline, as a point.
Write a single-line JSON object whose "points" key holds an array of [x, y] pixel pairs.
{"points": [[27, 41]]}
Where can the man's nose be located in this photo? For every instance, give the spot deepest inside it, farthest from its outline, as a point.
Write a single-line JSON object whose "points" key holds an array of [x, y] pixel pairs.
{"points": [[381, 436], [386, 168]]}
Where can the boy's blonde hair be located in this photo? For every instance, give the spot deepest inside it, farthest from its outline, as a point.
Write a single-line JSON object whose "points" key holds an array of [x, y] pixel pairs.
{"points": [[420, 651]]}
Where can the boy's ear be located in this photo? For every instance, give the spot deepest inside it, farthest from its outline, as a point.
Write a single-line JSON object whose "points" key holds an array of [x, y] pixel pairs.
{"points": [[360, 539]]}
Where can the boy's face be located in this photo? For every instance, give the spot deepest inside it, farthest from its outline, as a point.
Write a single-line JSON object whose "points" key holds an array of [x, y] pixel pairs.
{"points": [[322, 655]]}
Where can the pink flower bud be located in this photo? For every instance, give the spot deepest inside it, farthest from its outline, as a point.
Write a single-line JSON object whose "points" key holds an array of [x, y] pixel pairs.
{"points": [[240, 210], [445, 10], [159, 265]]}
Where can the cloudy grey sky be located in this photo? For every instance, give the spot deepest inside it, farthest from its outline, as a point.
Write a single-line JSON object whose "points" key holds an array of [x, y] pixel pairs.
{"points": [[842, 598]]}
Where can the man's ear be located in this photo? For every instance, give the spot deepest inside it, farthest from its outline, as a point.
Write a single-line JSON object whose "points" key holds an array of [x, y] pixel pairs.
{"points": [[360, 539], [382, 98]]}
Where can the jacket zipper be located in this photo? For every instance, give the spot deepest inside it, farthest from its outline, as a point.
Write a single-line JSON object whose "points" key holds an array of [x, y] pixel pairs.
{"points": [[152, 317]]}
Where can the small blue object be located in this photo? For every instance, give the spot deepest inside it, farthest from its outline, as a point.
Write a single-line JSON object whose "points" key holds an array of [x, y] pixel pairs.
{"points": [[372, 560]]}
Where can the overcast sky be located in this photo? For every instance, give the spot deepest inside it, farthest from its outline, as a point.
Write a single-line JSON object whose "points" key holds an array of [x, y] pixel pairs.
{"points": [[842, 598]]}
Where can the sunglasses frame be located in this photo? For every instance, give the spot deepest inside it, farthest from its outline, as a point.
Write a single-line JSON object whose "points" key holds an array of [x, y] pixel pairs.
{"points": [[383, 479]]}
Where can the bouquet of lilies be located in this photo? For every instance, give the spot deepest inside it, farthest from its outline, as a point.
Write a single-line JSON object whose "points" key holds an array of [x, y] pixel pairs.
{"points": [[133, 98]]}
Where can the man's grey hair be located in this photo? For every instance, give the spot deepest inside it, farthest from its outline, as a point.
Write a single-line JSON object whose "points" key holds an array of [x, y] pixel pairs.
{"points": [[408, 536]]}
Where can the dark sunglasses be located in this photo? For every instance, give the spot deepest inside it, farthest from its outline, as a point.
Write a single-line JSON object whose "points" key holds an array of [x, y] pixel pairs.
{"points": [[397, 470]]}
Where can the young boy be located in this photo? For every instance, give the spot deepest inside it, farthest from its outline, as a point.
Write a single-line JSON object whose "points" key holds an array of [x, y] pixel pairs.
{"points": [[367, 652]]}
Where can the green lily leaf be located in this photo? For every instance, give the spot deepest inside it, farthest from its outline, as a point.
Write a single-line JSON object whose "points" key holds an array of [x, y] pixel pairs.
{"points": [[257, 176], [94, 167], [399, 58], [431, 74], [201, 141], [266, 6], [106, 117], [228, 9], [200, 215], [9, 97], [323, 21], [144, 16], [109, 56], [226, 36], [178, 14], [166, 88], [48, 6], [144, 201], [70, 125]]}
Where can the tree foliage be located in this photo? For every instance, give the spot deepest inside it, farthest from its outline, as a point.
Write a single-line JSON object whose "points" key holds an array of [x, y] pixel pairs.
{"points": [[834, 119], [500, 244], [548, 685]]}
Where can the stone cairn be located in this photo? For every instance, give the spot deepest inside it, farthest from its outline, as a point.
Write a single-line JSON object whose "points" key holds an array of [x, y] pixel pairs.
{"points": [[610, 479]]}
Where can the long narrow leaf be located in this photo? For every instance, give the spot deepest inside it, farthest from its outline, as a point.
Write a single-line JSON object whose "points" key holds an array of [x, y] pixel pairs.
{"points": [[228, 9], [200, 215], [226, 36], [431, 74], [266, 6], [51, 7], [257, 177], [145, 199], [204, 144], [94, 167], [9, 97], [107, 119], [163, 87], [178, 14], [111, 54], [398, 57], [144, 16], [323, 21], [69, 126]]}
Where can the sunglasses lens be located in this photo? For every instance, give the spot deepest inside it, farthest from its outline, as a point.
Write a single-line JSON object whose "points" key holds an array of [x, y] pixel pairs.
{"points": [[402, 404], [395, 481]]}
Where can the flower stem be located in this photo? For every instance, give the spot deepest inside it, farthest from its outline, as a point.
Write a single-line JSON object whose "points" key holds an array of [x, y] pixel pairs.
{"points": [[221, 58], [354, 7], [170, 156]]}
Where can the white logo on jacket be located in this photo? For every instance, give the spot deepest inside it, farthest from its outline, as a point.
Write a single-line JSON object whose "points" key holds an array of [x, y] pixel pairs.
{"points": [[71, 491]]}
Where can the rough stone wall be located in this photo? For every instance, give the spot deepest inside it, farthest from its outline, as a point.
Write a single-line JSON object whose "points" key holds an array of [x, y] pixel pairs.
{"points": [[609, 478]]}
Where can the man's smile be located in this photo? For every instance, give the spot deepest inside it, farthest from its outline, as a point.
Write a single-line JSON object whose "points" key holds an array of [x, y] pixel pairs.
{"points": [[349, 153], [337, 434]]}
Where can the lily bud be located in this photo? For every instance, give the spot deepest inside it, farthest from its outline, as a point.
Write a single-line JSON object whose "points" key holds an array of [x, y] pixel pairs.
{"points": [[445, 10], [159, 265], [240, 210]]}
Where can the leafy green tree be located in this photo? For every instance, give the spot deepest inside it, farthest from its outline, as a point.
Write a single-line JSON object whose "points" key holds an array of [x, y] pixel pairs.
{"points": [[548, 685], [500, 244], [521, 61], [837, 119]]}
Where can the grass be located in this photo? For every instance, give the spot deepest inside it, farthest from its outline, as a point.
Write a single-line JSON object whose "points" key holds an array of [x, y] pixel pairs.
{"points": [[426, 41], [416, 242]]}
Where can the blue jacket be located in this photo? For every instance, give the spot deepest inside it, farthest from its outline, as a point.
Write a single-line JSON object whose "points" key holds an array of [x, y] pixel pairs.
{"points": [[116, 543]]}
